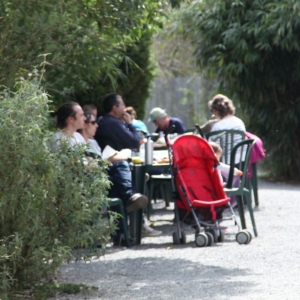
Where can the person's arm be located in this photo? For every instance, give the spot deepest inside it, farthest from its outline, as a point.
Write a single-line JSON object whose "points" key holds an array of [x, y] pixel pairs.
{"points": [[124, 137], [207, 127], [119, 156], [224, 168]]}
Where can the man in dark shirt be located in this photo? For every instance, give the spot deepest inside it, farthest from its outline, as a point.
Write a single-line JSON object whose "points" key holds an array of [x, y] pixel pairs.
{"points": [[161, 119], [115, 128]]}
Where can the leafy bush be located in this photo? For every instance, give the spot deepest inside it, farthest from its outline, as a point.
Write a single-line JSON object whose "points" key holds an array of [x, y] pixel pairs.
{"points": [[48, 204]]}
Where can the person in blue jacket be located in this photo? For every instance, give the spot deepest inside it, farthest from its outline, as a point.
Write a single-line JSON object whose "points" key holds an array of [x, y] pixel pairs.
{"points": [[115, 127]]}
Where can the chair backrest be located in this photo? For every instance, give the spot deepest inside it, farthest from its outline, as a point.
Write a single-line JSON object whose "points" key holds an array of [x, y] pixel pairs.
{"points": [[243, 164], [227, 139]]}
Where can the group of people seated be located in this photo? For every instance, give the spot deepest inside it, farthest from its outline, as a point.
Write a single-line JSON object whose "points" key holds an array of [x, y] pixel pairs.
{"points": [[119, 129]]}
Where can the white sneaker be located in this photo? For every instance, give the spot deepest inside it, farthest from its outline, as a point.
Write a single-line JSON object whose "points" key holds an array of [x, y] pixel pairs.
{"points": [[148, 231]]}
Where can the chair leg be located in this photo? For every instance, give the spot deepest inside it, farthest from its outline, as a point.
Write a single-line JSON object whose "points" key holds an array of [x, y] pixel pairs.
{"points": [[139, 215], [94, 222], [118, 202], [168, 193], [149, 207], [124, 221], [247, 195], [254, 184], [240, 204]]}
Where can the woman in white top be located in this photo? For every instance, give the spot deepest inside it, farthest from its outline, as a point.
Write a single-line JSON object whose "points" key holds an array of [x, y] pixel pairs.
{"points": [[224, 110]]}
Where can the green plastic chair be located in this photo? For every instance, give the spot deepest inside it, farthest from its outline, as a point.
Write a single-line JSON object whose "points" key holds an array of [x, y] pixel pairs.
{"points": [[253, 184], [242, 190], [226, 140], [118, 202]]}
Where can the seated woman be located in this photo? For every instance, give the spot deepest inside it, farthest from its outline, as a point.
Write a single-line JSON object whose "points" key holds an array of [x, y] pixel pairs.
{"points": [[224, 110]]}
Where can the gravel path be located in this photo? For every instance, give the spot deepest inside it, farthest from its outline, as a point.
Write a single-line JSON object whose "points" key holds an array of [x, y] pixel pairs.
{"points": [[267, 268]]}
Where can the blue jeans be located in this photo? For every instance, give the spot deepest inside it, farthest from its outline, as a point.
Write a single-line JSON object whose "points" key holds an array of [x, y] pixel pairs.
{"points": [[120, 175]]}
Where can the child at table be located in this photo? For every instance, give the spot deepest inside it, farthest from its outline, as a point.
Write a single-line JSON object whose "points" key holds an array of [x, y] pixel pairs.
{"points": [[224, 170]]}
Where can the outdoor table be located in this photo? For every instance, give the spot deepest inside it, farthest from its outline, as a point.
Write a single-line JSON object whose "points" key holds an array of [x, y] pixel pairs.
{"points": [[138, 181]]}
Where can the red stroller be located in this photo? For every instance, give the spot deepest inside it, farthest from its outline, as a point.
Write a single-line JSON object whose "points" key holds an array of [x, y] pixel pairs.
{"points": [[199, 188]]}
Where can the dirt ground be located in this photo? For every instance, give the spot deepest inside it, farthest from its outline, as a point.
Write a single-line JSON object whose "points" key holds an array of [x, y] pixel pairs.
{"points": [[267, 268]]}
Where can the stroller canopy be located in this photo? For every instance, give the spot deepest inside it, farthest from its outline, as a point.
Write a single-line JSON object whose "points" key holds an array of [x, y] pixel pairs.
{"points": [[189, 150]]}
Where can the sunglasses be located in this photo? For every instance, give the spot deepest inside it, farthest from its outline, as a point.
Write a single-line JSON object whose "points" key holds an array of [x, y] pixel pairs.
{"points": [[92, 122]]}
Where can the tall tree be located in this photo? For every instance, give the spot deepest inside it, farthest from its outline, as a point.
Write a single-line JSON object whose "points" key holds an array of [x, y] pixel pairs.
{"points": [[253, 48], [134, 85], [87, 39]]}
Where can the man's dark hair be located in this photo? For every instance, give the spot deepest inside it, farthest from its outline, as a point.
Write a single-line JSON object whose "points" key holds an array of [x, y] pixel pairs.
{"points": [[109, 101], [65, 111]]}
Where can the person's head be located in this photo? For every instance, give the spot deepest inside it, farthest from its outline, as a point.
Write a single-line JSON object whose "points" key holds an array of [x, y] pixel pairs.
{"points": [[91, 108], [221, 106], [90, 126], [132, 112], [113, 104], [160, 118], [69, 115], [217, 149]]}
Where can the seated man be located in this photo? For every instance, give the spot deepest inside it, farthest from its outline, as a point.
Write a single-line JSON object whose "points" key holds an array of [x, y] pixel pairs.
{"points": [[115, 127], [116, 130], [163, 122], [70, 118]]}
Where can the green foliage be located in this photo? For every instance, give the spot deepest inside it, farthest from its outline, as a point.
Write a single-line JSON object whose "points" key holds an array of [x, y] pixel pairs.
{"points": [[253, 47], [134, 86], [46, 290], [87, 40], [137, 92], [48, 201]]}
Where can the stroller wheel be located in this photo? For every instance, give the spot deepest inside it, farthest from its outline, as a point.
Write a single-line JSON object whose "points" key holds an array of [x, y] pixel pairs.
{"points": [[183, 237], [214, 233], [210, 238], [243, 237], [221, 236], [250, 237], [201, 240], [176, 240]]}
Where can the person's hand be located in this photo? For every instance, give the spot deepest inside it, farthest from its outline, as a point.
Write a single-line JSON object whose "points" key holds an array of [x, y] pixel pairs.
{"points": [[239, 173], [127, 118]]}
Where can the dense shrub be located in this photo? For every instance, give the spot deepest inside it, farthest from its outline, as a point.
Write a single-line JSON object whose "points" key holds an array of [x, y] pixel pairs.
{"points": [[48, 202]]}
